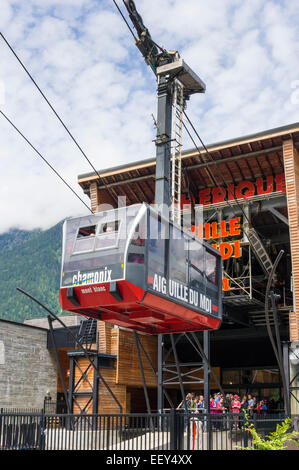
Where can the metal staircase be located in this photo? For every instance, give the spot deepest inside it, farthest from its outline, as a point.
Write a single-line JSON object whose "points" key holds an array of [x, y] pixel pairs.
{"points": [[87, 331], [260, 251]]}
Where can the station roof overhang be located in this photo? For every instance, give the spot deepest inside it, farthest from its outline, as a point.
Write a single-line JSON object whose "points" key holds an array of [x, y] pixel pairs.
{"points": [[243, 158]]}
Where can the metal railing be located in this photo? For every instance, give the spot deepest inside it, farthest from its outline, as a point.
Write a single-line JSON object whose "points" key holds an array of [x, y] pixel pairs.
{"points": [[175, 430]]}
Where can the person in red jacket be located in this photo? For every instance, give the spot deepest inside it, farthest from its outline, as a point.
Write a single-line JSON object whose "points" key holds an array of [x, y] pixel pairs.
{"points": [[236, 406]]}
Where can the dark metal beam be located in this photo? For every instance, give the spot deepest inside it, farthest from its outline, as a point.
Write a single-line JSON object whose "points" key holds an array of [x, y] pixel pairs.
{"points": [[142, 373], [236, 318], [50, 321], [178, 371], [280, 216]]}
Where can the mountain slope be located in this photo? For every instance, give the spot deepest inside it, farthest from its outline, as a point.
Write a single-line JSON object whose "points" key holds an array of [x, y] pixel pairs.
{"points": [[31, 261]]}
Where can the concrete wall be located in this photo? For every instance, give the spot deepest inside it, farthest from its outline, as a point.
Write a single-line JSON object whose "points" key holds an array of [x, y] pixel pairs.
{"points": [[27, 369]]}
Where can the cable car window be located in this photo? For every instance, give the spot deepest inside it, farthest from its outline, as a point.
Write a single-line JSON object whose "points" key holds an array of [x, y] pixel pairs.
{"points": [[107, 236], [197, 263], [177, 255], [109, 227], [87, 231], [136, 248], [197, 255], [156, 249], [211, 267], [85, 239]]}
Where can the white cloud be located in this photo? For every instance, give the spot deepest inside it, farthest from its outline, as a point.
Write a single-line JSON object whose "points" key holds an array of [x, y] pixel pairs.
{"points": [[82, 55]]}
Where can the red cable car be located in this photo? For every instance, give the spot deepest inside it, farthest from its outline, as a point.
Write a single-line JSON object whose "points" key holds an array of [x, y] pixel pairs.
{"points": [[133, 268]]}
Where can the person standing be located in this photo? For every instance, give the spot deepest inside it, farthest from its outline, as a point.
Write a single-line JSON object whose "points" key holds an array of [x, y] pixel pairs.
{"points": [[260, 407], [200, 403], [250, 401], [243, 409], [220, 410], [216, 399], [244, 403], [236, 406], [264, 408], [187, 400]]}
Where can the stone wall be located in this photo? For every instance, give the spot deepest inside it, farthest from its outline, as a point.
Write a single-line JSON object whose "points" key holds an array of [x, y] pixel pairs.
{"points": [[27, 369], [68, 320]]}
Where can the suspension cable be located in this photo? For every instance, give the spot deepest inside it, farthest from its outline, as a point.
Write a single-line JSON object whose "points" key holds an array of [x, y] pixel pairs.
{"points": [[44, 159], [56, 114]]}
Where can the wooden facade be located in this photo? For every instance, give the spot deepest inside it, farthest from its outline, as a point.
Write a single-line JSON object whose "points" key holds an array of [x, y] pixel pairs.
{"points": [[124, 379]]}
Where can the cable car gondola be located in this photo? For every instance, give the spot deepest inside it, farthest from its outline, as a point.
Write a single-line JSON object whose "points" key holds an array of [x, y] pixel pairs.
{"points": [[133, 268]]}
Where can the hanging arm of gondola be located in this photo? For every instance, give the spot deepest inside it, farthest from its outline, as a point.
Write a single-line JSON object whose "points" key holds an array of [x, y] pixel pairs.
{"points": [[151, 52]]}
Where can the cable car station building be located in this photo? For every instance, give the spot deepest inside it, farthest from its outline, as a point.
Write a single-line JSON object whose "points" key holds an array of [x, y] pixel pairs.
{"points": [[250, 220]]}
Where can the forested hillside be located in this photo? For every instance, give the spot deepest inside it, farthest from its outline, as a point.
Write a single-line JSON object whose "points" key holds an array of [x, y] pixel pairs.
{"points": [[31, 261]]}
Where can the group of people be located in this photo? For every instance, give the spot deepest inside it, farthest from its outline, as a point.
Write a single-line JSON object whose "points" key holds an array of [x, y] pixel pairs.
{"points": [[220, 404]]}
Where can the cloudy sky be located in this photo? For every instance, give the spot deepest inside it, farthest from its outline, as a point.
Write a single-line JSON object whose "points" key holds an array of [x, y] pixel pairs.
{"points": [[83, 57]]}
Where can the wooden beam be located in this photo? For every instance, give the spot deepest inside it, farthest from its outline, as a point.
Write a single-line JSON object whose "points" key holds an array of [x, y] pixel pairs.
{"points": [[291, 164], [150, 176], [97, 199]]}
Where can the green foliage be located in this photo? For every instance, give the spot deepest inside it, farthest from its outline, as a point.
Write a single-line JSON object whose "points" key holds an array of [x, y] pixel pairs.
{"points": [[275, 441], [29, 260]]}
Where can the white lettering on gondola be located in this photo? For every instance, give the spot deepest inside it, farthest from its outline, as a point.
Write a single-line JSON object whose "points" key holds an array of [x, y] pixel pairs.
{"points": [[97, 277], [205, 303], [181, 292]]}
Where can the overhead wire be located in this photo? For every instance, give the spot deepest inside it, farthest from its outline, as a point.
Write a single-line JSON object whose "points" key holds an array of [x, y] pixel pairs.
{"points": [[43, 158], [123, 17], [56, 114]]}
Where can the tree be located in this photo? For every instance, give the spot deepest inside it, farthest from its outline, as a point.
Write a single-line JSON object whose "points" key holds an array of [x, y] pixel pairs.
{"points": [[277, 440]]}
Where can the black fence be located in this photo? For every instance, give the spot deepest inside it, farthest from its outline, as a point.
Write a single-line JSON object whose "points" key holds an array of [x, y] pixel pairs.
{"points": [[174, 430]]}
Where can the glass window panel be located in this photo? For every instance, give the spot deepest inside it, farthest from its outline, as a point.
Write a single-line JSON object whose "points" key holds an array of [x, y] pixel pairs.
{"points": [[84, 244], [196, 279], [197, 262], [85, 239], [136, 247], [156, 250], [109, 227], [87, 231], [137, 258], [108, 235], [104, 242], [211, 268], [177, 255], [197, 255]]}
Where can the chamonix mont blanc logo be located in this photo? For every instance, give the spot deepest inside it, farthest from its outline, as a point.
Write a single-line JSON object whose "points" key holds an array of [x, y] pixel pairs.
{"points": [[95, 277]]}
